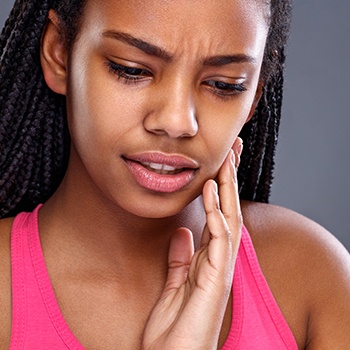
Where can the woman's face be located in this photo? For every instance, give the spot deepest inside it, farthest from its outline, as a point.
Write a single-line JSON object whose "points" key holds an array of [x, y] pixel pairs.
{"points": [[158, 91]]}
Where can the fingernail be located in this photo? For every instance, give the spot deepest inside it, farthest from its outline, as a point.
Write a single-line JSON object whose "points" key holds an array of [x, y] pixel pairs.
{"points": [[238, 146], [215, 187], [240, 149], [232, 159]]}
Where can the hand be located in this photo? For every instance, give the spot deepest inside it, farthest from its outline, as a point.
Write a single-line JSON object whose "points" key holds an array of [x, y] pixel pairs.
{"points": [[191, 309]]}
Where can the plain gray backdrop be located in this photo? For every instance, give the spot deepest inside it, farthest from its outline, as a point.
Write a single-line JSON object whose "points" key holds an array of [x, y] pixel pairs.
{"points": [[313, 161]]}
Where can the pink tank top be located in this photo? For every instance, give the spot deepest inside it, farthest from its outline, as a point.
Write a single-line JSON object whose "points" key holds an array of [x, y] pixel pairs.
{"points": [[38, 324]]}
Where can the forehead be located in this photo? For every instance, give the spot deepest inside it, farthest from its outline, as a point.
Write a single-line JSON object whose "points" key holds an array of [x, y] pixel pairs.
{"points": [[219, 24]]}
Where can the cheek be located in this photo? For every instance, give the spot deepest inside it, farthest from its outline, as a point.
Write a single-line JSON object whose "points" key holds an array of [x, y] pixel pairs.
{"points": [[99, 114], [221, 126]]}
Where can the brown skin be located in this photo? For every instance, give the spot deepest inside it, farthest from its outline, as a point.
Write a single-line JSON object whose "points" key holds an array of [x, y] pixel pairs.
{"points": [[117, 235]]}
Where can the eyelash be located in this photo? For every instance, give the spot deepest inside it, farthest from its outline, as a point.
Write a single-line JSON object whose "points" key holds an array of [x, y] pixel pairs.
{"points": [[225, 90], [128, 74], [131, 75]]}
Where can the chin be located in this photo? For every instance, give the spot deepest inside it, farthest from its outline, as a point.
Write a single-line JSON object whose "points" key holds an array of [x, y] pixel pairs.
{"points": [[161, 207]]}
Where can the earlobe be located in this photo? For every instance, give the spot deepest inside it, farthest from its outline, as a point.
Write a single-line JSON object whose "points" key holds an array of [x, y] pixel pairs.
{"points": [[258, 94], [53, 55]]}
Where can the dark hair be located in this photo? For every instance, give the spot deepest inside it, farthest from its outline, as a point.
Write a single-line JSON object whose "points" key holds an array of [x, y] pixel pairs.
{"points": [[34, 138]]}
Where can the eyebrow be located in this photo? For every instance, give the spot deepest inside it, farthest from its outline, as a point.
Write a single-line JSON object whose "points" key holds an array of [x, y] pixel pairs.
{"points": [[148, 48], [153, 50], [217, 61]]}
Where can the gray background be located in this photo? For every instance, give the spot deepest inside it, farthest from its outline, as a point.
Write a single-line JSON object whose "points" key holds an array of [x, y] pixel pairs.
{"points": [[313, 161]]}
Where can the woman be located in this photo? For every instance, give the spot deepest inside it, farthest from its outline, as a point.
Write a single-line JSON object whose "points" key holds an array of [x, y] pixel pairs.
{"points": [[123, 254]]}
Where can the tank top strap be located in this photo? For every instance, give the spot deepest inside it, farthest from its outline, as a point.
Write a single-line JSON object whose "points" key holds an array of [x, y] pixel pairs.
{"points": [[18, 258], [256, 314], [37, 321]]}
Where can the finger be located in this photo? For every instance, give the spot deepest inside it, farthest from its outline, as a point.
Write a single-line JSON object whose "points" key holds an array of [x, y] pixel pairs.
{"points": [[217, 235], [180, 255], [209, 194], [229, 199], [237, 149], [210, 189]]}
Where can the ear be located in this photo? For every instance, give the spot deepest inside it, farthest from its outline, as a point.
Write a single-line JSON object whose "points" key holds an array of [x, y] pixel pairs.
{"points": [[258, 94], [53, 55]]}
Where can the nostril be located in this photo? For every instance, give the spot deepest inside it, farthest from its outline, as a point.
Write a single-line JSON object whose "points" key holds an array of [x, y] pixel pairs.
{"points": [[157, 131]]}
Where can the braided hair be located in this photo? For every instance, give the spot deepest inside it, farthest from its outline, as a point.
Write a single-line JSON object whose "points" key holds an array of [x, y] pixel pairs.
{"points": [[34, 137]]}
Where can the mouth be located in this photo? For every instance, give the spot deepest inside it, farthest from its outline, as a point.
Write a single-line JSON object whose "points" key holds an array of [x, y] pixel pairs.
{"points": [[159, 172]]}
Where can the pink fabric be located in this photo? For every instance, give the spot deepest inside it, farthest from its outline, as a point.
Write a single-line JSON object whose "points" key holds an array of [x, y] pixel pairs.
{"points": [[37, 322], [257, 321]]}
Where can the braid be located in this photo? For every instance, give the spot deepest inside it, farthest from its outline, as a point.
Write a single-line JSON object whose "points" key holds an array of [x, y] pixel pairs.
{"points": [[33, 131], [260, 134], [264, 184]]}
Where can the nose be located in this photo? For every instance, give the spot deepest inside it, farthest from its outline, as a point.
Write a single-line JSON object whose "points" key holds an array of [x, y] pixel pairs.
{"points": [[173, 112]]}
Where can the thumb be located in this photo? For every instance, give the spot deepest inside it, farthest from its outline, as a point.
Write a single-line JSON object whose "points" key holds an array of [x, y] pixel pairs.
{"points": [[179, 259]]}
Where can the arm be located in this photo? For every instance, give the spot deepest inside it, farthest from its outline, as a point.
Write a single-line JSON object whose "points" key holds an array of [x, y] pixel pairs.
{"points": [[329, 320], [308, 272]]}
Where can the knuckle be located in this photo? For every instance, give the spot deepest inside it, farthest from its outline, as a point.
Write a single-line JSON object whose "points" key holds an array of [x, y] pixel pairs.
{"points": [[177, 264], [215, 209]]}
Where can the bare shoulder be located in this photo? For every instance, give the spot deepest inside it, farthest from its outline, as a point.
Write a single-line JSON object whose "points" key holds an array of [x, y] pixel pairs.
{"points": [[293, 236], [273, 226], [5, 283], [308, 271]]}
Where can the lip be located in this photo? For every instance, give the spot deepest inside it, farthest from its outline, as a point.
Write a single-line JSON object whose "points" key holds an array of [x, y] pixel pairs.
{"points": [[183, 171]]}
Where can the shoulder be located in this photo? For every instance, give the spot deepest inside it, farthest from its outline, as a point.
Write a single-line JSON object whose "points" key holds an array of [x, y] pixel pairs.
{"points": [[271, 226], [308, 271], [286, 233], [5, 283]]}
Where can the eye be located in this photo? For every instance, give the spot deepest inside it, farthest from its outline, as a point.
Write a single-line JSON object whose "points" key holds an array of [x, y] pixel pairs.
{"points": [[128, 74], [223, 89]]}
